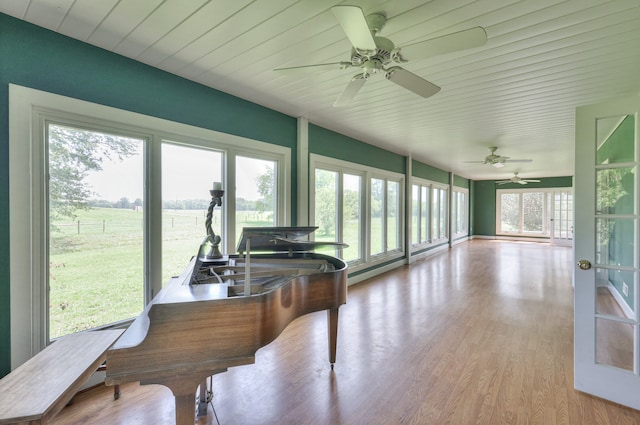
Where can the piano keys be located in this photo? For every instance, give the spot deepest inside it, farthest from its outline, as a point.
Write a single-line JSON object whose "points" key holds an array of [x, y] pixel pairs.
{"points": [[219, 312]]}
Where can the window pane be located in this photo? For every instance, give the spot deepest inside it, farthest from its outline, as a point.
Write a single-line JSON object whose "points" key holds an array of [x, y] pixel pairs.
{"points": [[616, 136], [415, 214], [509, 212], [393, 222], [614, 191], [377, 214], [326, 205], [443, 214], [424, 215], [454, 212], [187, 176], [255, 193], [458, 212], [533, 212], [461, 225], [351, 216], [95, 193], [435, 215]]}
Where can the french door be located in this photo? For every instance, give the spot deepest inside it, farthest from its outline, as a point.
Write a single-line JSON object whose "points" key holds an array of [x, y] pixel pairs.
{"points": [[561, 229], [607, 327]]}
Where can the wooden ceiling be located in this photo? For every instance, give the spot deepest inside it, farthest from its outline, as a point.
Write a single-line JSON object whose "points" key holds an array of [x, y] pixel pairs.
{"points": [[518, 92]]}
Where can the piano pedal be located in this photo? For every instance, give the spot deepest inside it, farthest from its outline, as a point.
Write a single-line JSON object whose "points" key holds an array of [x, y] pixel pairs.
{"points": [[205, 398]]}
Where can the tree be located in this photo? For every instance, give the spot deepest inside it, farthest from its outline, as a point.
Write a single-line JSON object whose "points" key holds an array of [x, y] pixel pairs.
{"points": [[325, 202], [264, 184], [123, 203], [73, 153]]}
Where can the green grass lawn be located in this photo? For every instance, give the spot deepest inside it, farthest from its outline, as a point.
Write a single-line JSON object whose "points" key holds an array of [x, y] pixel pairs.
{"points": [[96, 271]]}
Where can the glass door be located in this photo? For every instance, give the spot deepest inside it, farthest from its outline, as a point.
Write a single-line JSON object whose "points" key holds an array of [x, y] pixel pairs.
{"points": [[607, 343], [561, 203]]}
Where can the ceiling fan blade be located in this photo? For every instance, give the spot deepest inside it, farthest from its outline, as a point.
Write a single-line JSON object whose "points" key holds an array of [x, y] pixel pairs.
{"points": [[350, 91], [313, 68], [411, 81], [501, 182], [466, 39], [354, 24], [475, 162], [518, 160], [531, 181]]}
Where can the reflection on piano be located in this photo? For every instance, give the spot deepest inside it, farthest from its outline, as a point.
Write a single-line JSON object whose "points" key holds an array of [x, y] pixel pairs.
{"points": [[220, 311]]}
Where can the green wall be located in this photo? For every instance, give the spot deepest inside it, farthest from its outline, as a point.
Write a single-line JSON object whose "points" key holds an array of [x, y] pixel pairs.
{"points": [[484, 208], [38, 58], [460, 181], [428, 172], [335, 145], [545, 183]]}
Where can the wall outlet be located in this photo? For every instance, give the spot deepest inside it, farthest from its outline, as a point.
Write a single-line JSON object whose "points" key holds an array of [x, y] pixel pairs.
{"points": [[625, 289]]}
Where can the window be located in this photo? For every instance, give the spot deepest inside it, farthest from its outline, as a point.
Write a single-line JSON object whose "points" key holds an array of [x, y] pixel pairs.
{"points": [[188, 173], [95, 198], [123, 209], [352, 220], [256, 183], [439, 214], [394, 235], [384, 221], [523, 212], [337, 213], [459, 212], [340, 197], [327, 206], [377, 217], [430, 213]]}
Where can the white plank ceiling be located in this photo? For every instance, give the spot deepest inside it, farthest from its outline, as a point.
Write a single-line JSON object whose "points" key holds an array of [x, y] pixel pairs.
{"points": [[518, 92]]}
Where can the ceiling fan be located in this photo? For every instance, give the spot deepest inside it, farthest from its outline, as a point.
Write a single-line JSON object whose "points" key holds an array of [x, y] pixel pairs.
{"points": [[373, 54], [496, 160], [517, 179]]}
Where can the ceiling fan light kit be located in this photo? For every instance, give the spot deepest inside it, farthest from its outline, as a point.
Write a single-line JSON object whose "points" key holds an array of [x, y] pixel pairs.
{"points": [[373, 54]]}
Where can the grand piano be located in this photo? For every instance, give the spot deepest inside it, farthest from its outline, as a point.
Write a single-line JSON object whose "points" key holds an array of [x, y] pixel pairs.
{"points": [[220, 311]]}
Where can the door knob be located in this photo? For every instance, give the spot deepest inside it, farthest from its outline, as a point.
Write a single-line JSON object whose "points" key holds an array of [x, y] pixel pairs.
{"points": [[584, 264]]}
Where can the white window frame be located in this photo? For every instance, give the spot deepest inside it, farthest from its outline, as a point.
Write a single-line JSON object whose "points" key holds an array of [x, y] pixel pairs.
{"points": [[367, 173], [28, 110], [430, 242], [464, 231], [520, 233]]}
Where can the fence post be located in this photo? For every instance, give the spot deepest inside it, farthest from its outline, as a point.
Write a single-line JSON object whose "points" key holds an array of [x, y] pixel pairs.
{"points": [[78, 226], [103, 225]]}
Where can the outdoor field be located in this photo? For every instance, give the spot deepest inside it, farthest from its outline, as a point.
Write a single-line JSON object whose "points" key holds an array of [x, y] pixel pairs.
{"points": [[96, 262]]}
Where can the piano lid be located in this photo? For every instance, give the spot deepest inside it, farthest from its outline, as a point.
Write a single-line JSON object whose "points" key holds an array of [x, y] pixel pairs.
{"points": [[280, 239]]}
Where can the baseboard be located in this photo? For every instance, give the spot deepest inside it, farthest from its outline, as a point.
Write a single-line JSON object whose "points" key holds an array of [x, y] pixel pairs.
{"points": [[621, 302]]}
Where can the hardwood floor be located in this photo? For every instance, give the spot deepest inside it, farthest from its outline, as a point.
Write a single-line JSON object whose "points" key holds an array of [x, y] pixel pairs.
{"points": [[480, 334]]}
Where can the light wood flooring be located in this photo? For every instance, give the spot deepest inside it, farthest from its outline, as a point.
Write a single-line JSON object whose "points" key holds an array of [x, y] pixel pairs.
{"points": [[479, 334]]}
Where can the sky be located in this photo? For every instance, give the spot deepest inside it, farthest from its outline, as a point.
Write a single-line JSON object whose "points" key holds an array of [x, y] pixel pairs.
{"points": [[188, 173]]}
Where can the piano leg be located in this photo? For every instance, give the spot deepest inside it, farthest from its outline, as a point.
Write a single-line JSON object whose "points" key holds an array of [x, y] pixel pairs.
{"points": [[332, 322], [184, 391]]}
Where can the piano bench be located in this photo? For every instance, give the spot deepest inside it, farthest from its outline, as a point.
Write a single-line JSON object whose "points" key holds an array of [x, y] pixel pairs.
{"points": [[38, 389]]}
